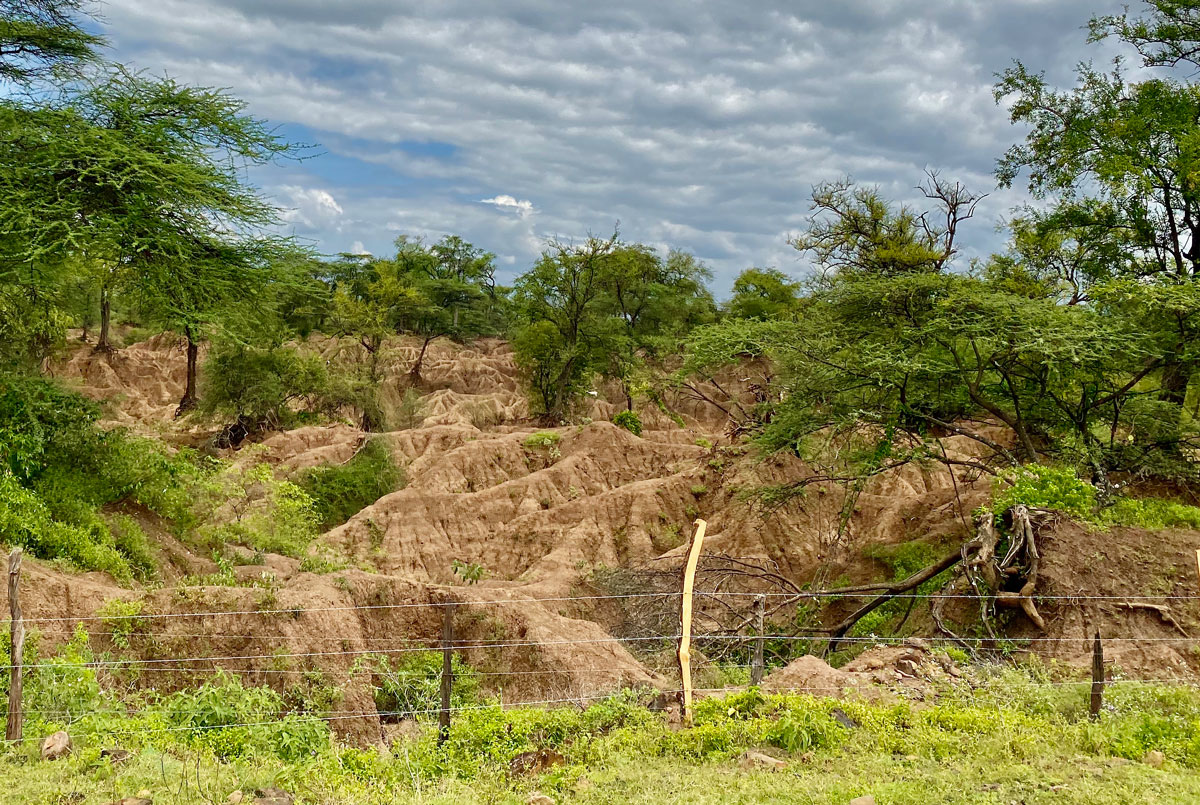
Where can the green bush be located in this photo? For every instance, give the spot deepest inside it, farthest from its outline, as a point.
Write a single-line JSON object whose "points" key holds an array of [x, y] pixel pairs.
{"points": [[543, 441], [234, 721], [262, 387], [1045, 487], [1151, 513], [59, 468], [341, 491], [629, 420]]}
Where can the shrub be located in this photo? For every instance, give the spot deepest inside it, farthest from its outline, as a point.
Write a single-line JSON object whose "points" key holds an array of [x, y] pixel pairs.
{"points": [[234, 721], [1046, 487], [259, 387], [341, 491], [544, 441], [1151, 513], [248, 505], [629, 420], [121, 619]]}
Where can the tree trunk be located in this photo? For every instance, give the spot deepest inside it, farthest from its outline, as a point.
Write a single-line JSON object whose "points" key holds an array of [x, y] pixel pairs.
{"points": [[1175, 378], [102, 344], [414, 374], [189, 393]]}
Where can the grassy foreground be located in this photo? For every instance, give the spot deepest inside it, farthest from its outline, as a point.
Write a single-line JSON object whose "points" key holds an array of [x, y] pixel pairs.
{"points": [[1007, 738]]}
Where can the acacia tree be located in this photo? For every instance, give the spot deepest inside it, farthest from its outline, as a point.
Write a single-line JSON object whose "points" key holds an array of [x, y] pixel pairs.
{"points": [[563, 334], [763, 293], [43, 39], [914, 349], [1119, 159], [145, 174]]}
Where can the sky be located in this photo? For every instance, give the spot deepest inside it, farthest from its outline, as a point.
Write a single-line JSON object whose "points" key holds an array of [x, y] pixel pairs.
{"points": [[698, 125]]}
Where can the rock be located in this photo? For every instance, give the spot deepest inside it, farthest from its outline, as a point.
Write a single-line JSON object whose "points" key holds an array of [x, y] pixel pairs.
{"points": [[144, 794], [56, 746], [1155, 758], [534, 762], [757, 760], [840, 716], [867, 800], [133, 801], [272, 796], [116, 756], [539, 799], [235, 797]]}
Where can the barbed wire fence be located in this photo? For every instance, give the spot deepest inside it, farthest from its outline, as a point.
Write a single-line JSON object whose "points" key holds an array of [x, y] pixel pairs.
{"points": [[738, 617]]}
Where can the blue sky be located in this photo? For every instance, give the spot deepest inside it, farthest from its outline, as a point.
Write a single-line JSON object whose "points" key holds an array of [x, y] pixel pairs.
{"points": [[696, 125]]}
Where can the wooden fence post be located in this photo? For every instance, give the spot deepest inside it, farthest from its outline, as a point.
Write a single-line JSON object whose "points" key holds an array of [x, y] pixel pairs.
{"points": [[447, 671], [685, 620], [1097, 700], [16, 715], [756, 665]]}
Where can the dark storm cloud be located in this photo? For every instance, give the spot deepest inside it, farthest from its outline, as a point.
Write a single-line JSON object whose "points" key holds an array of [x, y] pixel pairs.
{"points": [[696, 125]]}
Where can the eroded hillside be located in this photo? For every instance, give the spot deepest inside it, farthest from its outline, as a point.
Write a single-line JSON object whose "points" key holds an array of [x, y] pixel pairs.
{"points": [[555, 522]]}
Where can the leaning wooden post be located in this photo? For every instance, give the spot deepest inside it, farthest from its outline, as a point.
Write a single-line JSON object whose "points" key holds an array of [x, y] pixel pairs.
{"points": [[685, 620], [447, 671], [756, 665], [1097, 678], [16, 715]]}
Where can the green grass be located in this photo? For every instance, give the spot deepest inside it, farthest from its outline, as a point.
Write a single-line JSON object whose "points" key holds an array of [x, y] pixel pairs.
{"points": [[1009, 738]]}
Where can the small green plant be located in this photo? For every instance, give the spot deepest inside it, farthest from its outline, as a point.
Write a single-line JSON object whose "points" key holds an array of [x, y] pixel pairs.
{"points": [[409, 685], [1045, 487], [705, 443], [470, 573], [545, 444], [121, 620], [699, 490], [629, 420]]}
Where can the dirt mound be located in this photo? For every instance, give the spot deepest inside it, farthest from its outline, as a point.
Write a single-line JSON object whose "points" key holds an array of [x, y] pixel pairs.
{"points": [[911, 670], [143, 382]]}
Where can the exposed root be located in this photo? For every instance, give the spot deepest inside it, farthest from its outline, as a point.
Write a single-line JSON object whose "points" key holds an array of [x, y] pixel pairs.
{"points": [[1163, 611]]}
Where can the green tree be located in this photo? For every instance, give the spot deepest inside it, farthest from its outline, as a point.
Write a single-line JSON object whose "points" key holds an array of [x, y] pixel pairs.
{"points": [[144, 177], [565, 334], [1118, 158], [896, 348], [43, 39], [763, 293]]}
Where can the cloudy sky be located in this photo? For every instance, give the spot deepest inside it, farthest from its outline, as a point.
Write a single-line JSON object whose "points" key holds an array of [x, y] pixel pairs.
{"points": [[698, 125]]}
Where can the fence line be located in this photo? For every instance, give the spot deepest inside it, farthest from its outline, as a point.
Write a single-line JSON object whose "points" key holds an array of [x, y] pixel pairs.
{"points": [[824, 594]]}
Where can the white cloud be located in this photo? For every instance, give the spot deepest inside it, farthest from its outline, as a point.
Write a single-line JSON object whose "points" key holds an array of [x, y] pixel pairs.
{"points": [[522, 208], [692, 122], [310, 209]]}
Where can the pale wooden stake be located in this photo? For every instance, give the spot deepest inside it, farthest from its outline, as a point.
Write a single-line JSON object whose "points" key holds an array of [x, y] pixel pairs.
{"points": [[756, 664], [685, 620], [16, 715], [1198, 565]]}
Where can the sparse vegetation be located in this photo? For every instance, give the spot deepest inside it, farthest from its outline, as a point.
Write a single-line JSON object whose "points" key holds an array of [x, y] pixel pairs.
{"points": [[629, 420], [341, 491]]}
